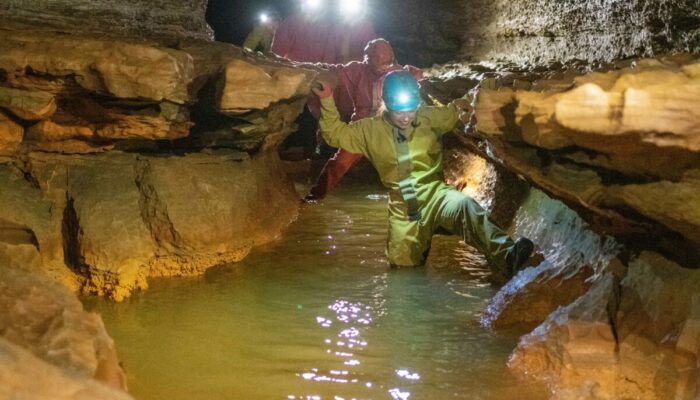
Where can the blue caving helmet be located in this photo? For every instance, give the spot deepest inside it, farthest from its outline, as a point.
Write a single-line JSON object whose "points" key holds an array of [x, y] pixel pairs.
{"points": [[400, 91]]}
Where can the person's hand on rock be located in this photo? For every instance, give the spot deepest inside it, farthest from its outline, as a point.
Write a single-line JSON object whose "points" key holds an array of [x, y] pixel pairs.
{"points": [[459, 183], [322, 89]]}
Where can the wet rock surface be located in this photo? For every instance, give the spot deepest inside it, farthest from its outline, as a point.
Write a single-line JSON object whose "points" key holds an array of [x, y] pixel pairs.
{"points": [[131, 146]]}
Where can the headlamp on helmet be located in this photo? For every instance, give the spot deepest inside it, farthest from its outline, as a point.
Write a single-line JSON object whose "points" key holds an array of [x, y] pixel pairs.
{"points": [[400, 91]]}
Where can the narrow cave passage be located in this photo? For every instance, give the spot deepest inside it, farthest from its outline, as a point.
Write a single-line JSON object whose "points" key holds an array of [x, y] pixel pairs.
{"points": [[157, 162]]}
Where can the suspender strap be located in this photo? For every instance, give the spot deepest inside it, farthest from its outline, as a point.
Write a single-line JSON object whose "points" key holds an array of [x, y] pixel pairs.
{"points": [[405, 181]]}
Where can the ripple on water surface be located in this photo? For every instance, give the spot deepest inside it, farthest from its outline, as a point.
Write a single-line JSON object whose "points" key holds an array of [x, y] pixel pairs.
{"points": [[319, 315]]}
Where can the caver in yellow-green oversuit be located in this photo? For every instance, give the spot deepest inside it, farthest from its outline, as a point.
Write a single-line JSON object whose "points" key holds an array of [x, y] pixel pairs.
{"points": [[413, 159]]}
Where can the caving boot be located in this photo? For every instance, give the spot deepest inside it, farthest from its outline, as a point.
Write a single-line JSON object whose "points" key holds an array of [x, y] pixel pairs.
{"points": [[519, 254]]}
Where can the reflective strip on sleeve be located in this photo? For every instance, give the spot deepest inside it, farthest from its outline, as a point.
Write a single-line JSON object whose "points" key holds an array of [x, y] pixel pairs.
{"points": [[408, 193]]}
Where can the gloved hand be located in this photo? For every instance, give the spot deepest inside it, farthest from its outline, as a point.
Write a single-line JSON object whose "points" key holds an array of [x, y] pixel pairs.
{"points": [[459, 183], [322, 89]]}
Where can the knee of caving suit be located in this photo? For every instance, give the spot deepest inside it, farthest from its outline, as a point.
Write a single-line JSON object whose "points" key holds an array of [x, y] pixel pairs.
{"points": [[407, 245]]}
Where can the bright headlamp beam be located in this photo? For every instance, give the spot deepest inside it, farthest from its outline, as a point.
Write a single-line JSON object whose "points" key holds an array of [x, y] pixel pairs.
{"points": [[264, 18], [312, 4], [351, 8], [404, 98]]}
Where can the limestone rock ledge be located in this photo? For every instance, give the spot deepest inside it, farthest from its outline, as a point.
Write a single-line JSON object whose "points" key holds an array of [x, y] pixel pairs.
{"points": [[46, 334], [611, 152], [127, 159], [604, 143]]}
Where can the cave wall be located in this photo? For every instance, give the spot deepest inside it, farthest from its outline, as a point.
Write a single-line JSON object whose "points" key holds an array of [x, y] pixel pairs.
{"points": [[144, 19], [538, 31], [541, 31]]}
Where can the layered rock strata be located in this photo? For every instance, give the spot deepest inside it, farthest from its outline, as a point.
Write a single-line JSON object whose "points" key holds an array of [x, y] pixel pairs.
{"points": [[125, 160], [142, 19], [540, 31], [616, 146]]}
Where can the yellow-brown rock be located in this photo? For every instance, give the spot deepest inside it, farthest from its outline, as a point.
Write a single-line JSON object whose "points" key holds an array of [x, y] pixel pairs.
{"points": [[494, 111], [124, 217], [535, 293], [113, 67], [27, 105], [663, 114], [11, 134], [245, 86], [640, 341], [25, 376], [89, 121], [676, 205], [535, 116], [45, 318], [30, 219]]}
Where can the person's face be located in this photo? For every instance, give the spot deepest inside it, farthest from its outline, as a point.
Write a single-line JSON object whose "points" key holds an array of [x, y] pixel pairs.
{"points": [[402, 119], [381, 61]]}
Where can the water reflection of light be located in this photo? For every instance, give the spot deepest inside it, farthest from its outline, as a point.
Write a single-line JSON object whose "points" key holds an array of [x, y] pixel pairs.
{"points": [[354, 316], [404, 373], [349, 333], [397, 394], [378, 196]]}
